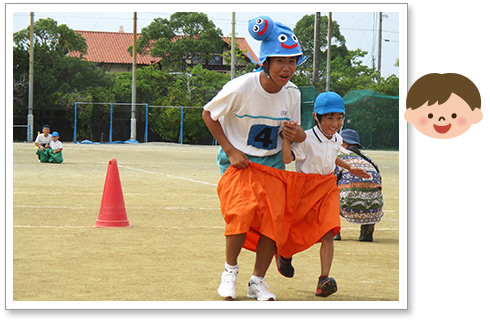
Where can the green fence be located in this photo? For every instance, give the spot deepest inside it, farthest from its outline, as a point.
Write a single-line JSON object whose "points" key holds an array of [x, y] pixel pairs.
{"points": [[372, 114]]}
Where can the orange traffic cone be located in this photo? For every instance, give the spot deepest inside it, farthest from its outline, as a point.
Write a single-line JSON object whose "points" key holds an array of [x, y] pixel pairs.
{"points": [[112, 210]]}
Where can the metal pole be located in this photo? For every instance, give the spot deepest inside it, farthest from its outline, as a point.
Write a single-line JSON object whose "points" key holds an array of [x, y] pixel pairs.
{"points": [[133, 91], [75, 124], [110, 126], [380, 35], [232, 45], [329, 49], [146, 125], [316, 52], [30, 116], [181, 136]]}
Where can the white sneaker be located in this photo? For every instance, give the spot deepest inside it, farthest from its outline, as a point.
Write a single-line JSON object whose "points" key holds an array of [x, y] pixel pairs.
{"points": [[227, 288], [259, 292]]}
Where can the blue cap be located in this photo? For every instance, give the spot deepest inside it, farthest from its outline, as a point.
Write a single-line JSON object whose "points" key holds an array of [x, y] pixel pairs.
{"points": [[350, 136], [55, 134], [329, 102], [277, 39]]}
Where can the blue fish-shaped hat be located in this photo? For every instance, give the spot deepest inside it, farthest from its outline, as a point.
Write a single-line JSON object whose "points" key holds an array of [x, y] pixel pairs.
{"points": [[277, 39]]}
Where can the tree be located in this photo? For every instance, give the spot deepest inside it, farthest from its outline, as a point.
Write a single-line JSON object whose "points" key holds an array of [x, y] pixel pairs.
{"points": [[186, 36], [58, 78], [389, 86], [304, 30], [200, 86], [348, 73]]}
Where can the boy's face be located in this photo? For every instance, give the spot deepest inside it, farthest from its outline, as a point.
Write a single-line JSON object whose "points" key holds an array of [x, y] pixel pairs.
{"points": [[448, 120], [55, 138], [281, 69], [46, 131], [331, 123]]}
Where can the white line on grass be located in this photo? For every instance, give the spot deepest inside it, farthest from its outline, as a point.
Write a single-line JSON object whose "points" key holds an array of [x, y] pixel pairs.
{"points": [[169, 227], [138, 226], [47, 206], [168, 175], [168, 208]]}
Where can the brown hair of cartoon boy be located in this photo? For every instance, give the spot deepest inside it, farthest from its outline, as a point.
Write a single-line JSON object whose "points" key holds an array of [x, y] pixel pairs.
{"points": [[438, 88]]}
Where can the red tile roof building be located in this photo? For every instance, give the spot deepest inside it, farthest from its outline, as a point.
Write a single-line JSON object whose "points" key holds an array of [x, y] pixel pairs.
{"points": [[110, 49]]}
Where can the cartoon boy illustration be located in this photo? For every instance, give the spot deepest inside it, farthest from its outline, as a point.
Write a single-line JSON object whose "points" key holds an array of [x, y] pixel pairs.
{"points": [[443, 105]]}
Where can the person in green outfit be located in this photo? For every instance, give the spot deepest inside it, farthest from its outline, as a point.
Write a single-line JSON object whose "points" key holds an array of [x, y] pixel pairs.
{"points": [[52, 153], [55, 148], [42, 141]]}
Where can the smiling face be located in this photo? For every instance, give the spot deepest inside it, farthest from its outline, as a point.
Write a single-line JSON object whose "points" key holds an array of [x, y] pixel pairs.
{"points": [[330, 123], [447, 120]]}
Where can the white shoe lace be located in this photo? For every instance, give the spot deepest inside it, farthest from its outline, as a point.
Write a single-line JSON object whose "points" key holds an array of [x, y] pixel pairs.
{"points": [[261, 291], [230, 276]]}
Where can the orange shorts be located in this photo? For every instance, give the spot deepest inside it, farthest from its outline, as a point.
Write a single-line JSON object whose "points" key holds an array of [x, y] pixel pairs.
{"points": [[293, 209]]}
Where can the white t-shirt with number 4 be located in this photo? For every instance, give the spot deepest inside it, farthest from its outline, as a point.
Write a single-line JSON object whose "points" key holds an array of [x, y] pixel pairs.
{"points": [[251, 118]]}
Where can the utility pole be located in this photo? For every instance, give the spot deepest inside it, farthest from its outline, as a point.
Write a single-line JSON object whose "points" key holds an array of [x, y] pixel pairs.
{"points": [[316, 52], [232, 45], [30, 116], [380, 36], [329, 49], [133, 90]]}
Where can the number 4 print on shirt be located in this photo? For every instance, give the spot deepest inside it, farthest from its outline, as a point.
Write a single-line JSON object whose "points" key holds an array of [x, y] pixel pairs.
{"points": [[263, 136]]}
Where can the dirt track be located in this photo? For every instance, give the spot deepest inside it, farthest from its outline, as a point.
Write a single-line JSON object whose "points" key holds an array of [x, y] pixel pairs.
{"points": [[174, 249]]}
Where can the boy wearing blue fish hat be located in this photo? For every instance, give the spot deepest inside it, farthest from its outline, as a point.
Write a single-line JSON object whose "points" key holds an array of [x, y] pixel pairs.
{"points": [[246, 117]]}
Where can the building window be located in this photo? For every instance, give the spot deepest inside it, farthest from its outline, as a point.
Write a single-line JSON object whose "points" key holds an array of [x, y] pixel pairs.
{"points": [[214, 60]]}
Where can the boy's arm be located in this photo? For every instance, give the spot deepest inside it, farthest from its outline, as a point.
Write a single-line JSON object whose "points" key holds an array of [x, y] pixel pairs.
{"points": [[353, 170], [237, 157], [287, 154]]}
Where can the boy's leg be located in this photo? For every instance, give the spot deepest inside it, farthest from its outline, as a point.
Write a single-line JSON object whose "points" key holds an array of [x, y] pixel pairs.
{"points": [[266, 248], [366, 233], [257, 289], [234, 244], [326, 253], [56, 158], [326, 285], [44, 155]]}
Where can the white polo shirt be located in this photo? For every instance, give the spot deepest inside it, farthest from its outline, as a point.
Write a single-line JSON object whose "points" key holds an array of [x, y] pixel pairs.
{"points": [[41, 139], [316, 154], [55, 145], [251, 117]]}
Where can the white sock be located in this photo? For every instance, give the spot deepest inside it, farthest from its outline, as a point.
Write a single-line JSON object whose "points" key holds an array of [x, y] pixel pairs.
{"points": [[256, 279], [231, 267]]}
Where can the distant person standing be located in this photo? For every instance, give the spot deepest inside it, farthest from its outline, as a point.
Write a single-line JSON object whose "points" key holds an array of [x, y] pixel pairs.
{"points": [[361, 199], [43, 140]]}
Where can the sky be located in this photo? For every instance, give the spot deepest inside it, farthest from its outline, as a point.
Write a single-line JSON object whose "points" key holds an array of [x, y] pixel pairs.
{"points": [[360, 29]]}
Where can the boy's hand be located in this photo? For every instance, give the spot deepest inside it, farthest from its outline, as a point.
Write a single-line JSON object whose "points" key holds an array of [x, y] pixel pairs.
{"points": [[293, 132], [359, 172], [238, 159]]}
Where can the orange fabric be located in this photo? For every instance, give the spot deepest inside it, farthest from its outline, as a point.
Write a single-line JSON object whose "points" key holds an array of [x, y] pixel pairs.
{"points": [[293, 209]]}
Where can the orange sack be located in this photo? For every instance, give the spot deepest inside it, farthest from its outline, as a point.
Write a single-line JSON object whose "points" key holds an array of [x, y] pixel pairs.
{"points": [[293, 209]]}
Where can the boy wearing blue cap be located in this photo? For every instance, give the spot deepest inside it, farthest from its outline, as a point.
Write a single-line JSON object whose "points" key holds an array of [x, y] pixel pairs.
{"points": [[54, 150], [245, 117], [318, 154]]}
